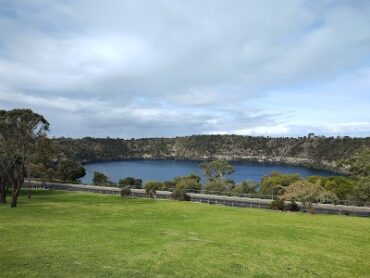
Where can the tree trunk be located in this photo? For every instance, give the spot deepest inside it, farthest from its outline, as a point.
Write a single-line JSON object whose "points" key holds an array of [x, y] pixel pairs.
{"points": [[15, 193], [2, 191], [311, 209], [2, 195], [13, 204]]}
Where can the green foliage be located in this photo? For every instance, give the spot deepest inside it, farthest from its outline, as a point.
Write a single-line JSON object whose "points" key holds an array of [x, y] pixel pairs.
{"points": [[292, 206], [246, 187], [130, 181], [180, 195], [153, 186], [101, 179], [278, 205], [277, 182], [19, 131], [308, 193], [169, 184], [362, 190], [125, 191], [359, 163], [191, 182], [217, 169], [69, 170], [215, 186], [281, 205], [341, 186]]}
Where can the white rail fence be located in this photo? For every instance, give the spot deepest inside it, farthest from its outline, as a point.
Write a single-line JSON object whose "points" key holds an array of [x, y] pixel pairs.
{"points": [[201, 197]]}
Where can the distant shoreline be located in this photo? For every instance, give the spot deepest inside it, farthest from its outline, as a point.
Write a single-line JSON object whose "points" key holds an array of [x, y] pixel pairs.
{"points": [[325, 153]]}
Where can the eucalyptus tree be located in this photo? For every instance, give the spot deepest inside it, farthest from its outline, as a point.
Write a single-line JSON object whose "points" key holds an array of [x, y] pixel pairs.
{"points": [[308, 193], [3, 182], [217, 169], [19, 131]]}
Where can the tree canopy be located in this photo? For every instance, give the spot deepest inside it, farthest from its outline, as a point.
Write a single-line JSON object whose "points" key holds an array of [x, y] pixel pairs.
{"points": [[308, 193], [217, 169], [19, 130]]}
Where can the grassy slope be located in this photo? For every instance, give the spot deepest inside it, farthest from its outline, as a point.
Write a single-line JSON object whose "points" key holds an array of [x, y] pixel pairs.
{"points": [[74, 234]]}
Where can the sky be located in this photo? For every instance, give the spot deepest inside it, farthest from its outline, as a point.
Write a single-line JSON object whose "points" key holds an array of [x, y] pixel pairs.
{"points": [[159, 68]]}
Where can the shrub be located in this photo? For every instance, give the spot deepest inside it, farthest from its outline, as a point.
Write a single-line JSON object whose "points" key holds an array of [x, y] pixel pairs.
{"points": [[125, 191], [229, 185], [277, 182], [152, 185], [191, 177], [191, 182], [169, 184], [180, 195], [362, 190], [188, 184], [70, 170], [152, 194], [309, 193], [215, 185], [278, 205], [131, 181], [292, 206], [246, 187], [102, 179]]}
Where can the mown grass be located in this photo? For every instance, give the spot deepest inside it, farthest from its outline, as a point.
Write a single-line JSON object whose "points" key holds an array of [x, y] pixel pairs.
{"points": [[59, 234]]}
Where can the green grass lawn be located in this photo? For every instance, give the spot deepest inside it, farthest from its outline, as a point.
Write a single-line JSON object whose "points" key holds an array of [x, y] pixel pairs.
{"points": [[74, 234]]}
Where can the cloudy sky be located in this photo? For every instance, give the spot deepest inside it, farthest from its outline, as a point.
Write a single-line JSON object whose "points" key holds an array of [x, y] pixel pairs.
{"points": [[170, 68]]}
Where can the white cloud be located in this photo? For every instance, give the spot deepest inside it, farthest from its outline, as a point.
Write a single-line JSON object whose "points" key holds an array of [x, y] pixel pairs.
{"points": [[278, 130], [137, 67]]}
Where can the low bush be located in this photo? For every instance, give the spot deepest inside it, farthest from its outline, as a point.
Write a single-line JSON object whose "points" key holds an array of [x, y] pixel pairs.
{"points": [[246, 187], [215, 186], [152, 194], [292, 206], [131, 181], [101, 179], [188, 184], [169, 184], [153, 186], [278, 205], [125, 191], [180, 195]]}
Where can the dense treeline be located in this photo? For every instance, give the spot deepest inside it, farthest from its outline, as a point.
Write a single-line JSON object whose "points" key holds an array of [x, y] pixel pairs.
{"points": [[47, 162], [313, 151]]}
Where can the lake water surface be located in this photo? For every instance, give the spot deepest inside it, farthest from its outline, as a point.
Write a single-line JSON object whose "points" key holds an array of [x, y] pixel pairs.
{"points": [[163, 170]]}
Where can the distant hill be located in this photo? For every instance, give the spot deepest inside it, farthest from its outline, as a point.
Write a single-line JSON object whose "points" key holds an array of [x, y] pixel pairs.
{"points": [[312, 151]]}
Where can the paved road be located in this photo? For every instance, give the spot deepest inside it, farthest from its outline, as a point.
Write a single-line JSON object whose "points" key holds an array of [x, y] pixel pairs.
{"points": [[203, 198]]}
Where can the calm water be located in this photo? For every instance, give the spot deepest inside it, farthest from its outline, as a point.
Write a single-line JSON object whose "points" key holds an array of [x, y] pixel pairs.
{"points": [[163, 170]]}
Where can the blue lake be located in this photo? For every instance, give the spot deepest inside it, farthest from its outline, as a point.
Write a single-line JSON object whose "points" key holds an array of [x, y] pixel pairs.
{"points": [[163, 170]]}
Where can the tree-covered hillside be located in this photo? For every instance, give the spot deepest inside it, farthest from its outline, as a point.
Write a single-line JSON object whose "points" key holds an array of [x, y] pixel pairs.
{"points": [[314, 151]]}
